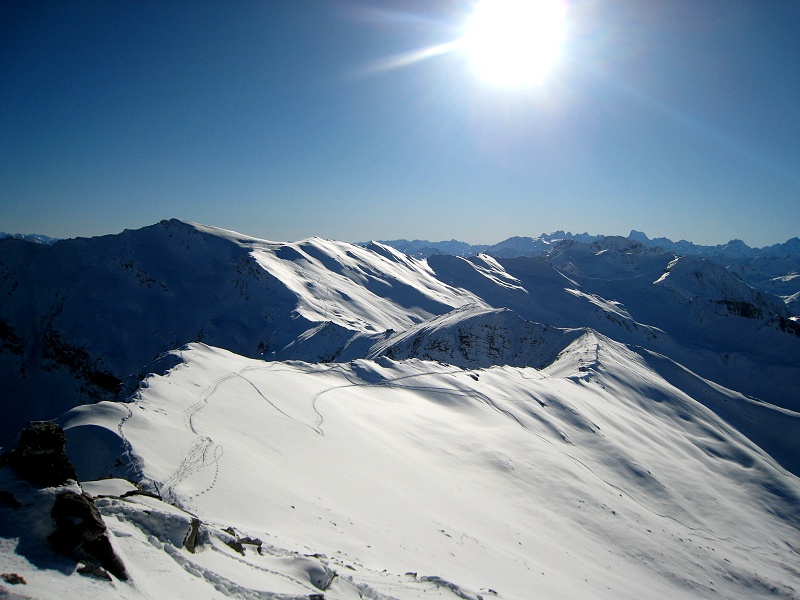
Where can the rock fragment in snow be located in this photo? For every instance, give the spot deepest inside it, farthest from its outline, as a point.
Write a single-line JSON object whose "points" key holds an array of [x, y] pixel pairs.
{"points": [[13, 579], [80, 530]]}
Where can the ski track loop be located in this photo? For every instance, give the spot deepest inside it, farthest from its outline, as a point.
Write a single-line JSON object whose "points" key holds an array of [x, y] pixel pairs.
{"points": [[204, 452], [206, 393], [392, 383]]}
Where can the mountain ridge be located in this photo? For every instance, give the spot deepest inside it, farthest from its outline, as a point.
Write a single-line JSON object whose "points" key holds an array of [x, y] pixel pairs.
{"points": [[774, 269], [83, 314]]}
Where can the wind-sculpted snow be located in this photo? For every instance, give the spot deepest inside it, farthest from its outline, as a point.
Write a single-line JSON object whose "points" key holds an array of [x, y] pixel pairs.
{"points": [[475, 337], [593, 477], [363, 289]]}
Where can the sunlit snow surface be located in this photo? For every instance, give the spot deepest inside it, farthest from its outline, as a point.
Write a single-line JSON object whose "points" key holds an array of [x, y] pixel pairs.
{"points": [[591, 478], [463, 428]]}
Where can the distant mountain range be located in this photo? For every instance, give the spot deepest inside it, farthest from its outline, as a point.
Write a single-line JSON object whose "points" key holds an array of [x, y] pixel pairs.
{"points": [[535, 246], [775, 268], [29, 237], [530, 246]]}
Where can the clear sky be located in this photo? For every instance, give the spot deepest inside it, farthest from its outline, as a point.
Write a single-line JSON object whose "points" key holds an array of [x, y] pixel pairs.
{"points": [[360, 119]]}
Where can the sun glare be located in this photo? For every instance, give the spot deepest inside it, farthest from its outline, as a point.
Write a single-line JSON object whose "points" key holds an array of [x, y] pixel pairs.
{"points": [[514, 43]]}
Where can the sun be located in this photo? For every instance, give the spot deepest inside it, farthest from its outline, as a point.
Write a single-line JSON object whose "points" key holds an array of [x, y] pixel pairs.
{"points": [[514, 43]]}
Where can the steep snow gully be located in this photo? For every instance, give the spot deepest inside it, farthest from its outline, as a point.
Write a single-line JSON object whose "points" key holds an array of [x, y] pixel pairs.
{"points": [[320, 420]]}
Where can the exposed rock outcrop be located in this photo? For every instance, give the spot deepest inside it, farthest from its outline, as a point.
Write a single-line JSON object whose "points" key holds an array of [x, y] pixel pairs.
{"points": [[80, 532], [39, 457]]}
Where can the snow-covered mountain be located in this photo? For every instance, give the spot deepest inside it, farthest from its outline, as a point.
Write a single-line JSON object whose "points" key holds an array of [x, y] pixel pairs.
{"points": [[325, 420], [773, 269], [81, 315], [509, 248], [78, 317], [29, 237]]}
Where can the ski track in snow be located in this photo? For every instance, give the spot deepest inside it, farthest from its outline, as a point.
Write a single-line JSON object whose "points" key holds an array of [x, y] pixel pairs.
{"points": [[226, 586], [317, 280], [271, 403], [204, 396], [198, 455], [265, 570], [134, 462], [392, 383], [205, 452]]}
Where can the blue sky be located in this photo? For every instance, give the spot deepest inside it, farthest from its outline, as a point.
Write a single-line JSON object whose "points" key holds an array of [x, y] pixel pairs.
{"points": [[280, 119]]}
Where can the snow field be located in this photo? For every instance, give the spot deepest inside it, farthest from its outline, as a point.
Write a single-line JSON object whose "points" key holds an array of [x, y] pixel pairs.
{"points": [[593, 477]]}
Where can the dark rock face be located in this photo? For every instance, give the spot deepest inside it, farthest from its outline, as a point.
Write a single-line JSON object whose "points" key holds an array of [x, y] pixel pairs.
{"points": [[77, 522], [8, 499], [80, 532], [97, 384], [39, 457], [80, 529]]}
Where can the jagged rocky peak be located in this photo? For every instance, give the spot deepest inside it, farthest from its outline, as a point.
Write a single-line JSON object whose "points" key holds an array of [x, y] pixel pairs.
{"points": [[619, 244]]}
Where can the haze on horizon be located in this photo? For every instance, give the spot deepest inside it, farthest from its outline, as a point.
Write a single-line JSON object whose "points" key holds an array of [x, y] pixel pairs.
{"points": [[356, 119]]}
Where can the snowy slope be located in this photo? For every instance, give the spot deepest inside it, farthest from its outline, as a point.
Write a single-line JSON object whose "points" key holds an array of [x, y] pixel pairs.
{"points": [[605, 421], [593, 477]]}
